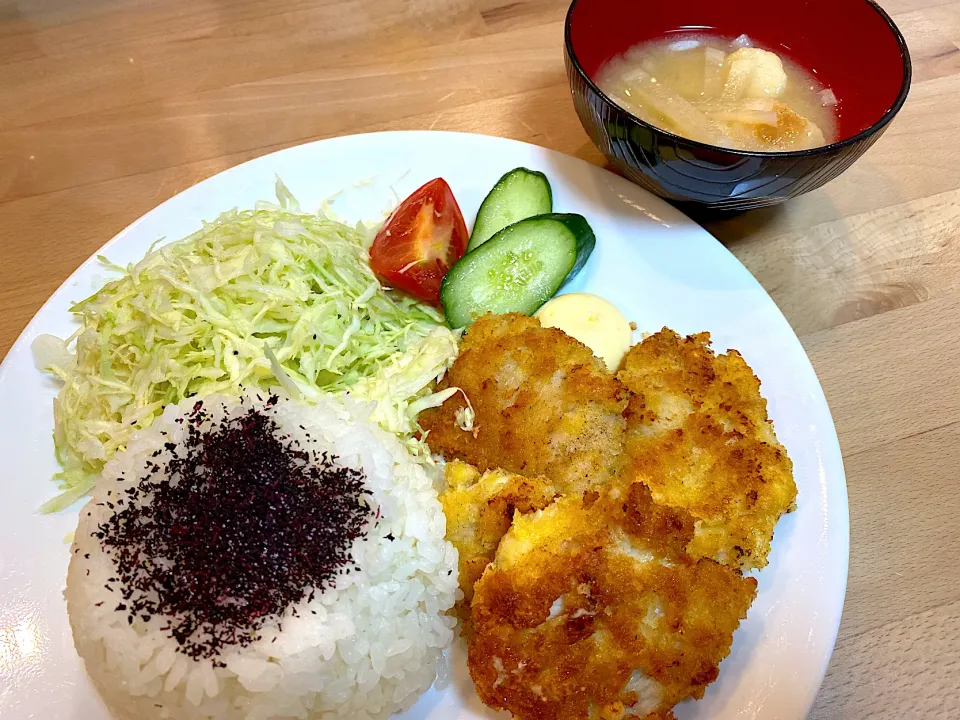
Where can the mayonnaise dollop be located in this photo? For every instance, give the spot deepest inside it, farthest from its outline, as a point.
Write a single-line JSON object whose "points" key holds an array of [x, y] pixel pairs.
{"points": [[595, 322]]}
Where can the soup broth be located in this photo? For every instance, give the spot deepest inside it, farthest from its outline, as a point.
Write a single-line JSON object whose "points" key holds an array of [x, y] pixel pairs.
{"points": [[722, 92]]}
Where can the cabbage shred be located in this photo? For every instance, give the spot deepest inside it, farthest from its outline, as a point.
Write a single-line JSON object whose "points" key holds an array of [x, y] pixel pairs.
{"points": [[210, 313]]}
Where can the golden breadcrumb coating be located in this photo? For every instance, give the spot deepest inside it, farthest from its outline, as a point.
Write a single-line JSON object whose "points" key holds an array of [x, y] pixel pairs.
{"points": [[592, 609], [479, 510], [699, 437], [602, 566], [544, 405]]}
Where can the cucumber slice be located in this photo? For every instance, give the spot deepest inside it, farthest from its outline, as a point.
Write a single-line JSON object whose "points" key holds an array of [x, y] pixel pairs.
{"points": [[519, 194], [518, 269]]}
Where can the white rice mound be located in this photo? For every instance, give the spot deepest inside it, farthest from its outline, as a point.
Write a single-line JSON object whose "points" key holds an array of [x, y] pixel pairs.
{"points": [[375, 642]]}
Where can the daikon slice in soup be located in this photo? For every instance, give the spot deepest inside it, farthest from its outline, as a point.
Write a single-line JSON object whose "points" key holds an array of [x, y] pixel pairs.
{"points": [[723, 92]]}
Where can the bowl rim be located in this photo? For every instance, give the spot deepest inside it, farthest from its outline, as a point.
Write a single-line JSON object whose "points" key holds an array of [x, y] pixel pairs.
{"points": [[876, 127]]}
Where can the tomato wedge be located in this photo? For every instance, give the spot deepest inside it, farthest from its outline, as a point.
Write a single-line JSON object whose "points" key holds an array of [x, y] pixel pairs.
{"points": [[420, 242]]}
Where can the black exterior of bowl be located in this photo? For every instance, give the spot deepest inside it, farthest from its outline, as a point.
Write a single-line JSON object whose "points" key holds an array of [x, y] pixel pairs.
{"points": [[686, 171]]}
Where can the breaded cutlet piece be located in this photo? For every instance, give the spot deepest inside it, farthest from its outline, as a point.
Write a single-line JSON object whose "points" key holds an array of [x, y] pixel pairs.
{"points": [[479, 510], [699, 437], [592, 609], [544, 405]]}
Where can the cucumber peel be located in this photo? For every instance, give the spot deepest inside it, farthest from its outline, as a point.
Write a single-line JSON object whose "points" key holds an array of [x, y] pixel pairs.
{"points": [[518, 269], [519, 194]]}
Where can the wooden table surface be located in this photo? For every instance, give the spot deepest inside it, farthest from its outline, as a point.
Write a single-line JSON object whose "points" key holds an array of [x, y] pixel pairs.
{"points": [[108, 107]]}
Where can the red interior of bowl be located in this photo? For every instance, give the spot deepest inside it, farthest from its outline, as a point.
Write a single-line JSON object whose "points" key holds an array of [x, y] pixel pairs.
{"points": [[846, 43]]}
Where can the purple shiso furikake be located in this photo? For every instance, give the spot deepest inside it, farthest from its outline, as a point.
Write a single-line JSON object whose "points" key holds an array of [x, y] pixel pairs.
{"points": [[234, 525]]}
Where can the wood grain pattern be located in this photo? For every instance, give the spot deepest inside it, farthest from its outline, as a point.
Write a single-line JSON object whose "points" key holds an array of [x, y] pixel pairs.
{"points": [[108, 107]]}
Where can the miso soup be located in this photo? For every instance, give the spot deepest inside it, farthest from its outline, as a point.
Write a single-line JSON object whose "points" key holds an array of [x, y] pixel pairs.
{"points": [[722, 92]]}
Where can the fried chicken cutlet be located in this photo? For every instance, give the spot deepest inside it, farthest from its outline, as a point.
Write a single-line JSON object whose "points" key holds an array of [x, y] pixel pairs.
{"points": [[479, 510], [699, 437], [544, 405], [592, 609]]}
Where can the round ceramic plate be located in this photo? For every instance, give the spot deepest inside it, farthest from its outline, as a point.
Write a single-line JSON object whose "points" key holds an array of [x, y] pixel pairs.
{"points": [[659, 267]]}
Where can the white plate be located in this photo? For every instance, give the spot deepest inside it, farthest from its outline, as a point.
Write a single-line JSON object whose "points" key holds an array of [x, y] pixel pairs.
{"points": [[654, 263]]}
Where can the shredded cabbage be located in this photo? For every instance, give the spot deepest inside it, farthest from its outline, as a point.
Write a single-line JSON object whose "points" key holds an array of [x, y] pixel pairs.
{"points": [[255, 298], [399, 391]]}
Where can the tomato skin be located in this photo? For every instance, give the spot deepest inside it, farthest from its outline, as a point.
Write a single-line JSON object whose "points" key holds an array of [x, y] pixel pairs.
{"points": [[420, 242]]}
